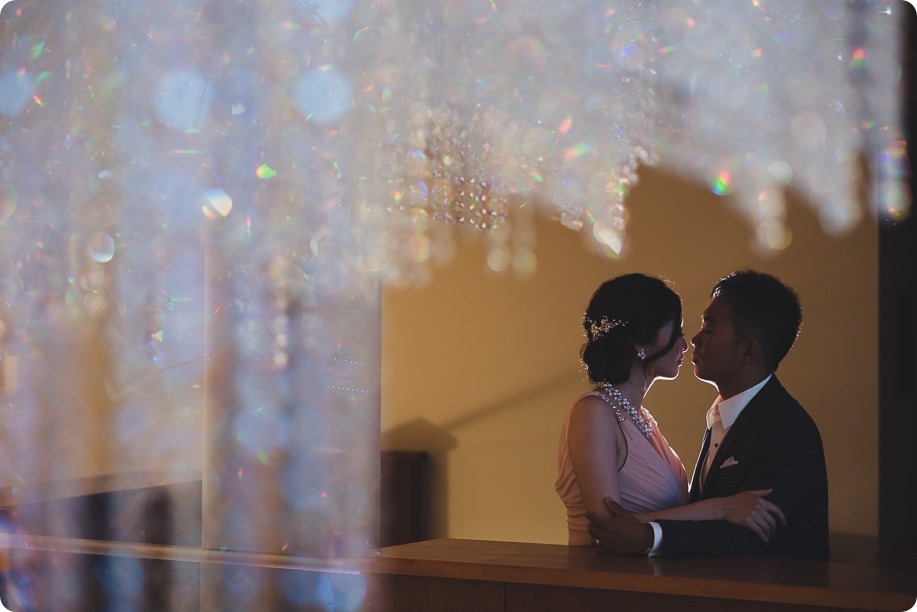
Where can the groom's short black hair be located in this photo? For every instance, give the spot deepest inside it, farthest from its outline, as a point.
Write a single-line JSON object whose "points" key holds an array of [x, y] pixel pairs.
{"points": [[764, 308]]}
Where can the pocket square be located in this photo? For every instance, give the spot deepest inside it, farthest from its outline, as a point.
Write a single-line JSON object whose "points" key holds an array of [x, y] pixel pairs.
{"points": [[729, 463]]}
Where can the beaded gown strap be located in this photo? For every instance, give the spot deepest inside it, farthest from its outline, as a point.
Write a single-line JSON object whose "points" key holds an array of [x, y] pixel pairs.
{"points": [[618, 412], [642, 418]]}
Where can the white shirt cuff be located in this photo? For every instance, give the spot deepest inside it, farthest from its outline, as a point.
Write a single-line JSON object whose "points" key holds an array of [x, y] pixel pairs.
{"points": [[657, 540]]}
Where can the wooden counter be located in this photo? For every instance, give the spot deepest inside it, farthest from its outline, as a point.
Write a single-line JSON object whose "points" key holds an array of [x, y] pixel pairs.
{"points": [[476, 575], [131, 515]]}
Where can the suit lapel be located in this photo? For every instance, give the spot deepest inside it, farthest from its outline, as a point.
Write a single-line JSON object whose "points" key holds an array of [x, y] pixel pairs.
{"points": [[699, 467], [758, 403]]}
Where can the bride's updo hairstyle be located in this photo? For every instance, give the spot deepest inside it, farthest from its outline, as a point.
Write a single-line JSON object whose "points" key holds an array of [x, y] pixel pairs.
{"points": [[627, 312]]}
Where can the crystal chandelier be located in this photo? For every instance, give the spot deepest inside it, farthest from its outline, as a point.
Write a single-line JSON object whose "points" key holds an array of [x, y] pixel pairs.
{"points": [[466, 112], [559, 104]]}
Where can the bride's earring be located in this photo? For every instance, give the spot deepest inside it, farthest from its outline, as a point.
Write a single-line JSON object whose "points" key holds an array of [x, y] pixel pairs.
{"points": [[641, 354]]}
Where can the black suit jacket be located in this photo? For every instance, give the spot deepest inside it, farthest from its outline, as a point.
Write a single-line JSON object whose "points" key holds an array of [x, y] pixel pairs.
{"points": [[773, 444]]}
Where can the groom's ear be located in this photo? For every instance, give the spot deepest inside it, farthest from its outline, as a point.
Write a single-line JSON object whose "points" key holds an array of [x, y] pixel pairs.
{"points": [[749, 351]]}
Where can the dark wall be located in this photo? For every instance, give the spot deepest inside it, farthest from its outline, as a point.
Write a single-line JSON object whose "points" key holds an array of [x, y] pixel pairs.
{"points": [[897, 346]]}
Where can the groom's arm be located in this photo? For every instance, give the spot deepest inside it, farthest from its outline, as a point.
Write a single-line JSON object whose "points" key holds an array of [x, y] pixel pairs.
{"points": [[793, 464]]}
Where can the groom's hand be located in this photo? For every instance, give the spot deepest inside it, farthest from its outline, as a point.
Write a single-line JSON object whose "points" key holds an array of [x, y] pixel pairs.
{"points": [[619, 533]]}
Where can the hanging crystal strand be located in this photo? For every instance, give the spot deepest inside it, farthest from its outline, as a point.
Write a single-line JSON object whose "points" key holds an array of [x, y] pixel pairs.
{"points": [[90, 248], [347, 305], [34, 274], [756, 179], [284, 446], [811, 144], [525, 261], [76, 243], [874, 60], [338, 338], [10, 325], [449, 163], [610, 224], [499, 252], [243, 411], [817, 126], [631, 46], [244, 305], [395, 185], [37, 290], [599, 148], [638, 125]]}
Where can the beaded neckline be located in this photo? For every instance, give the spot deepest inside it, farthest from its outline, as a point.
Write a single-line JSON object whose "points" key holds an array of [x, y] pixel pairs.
{"points": [[641, 418]]}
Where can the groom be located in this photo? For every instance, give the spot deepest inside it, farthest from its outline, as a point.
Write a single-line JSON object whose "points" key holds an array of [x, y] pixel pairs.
{"points": [[758, 436]]}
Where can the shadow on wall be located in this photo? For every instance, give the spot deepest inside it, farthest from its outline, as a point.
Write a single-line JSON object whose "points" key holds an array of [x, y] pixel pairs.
{"points": [[422, 435], [439, 440]]}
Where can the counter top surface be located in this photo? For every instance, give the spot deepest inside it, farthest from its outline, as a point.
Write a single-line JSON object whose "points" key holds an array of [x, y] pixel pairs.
{"points": [[744, 578]]}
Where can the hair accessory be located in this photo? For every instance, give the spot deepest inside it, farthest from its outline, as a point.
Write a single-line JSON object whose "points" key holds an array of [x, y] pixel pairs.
{"points": [[641, 354], [605, 325], [641, 418]]}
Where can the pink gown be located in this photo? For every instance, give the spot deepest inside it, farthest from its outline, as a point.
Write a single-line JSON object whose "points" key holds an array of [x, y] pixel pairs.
{"points": [[652, 478]]}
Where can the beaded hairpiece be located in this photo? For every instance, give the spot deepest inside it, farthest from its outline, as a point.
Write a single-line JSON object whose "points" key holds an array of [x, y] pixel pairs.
{"points": [[605, 325]]}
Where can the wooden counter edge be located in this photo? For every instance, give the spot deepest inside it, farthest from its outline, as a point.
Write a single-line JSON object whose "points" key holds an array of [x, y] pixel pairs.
{"points": [[717, 588]]}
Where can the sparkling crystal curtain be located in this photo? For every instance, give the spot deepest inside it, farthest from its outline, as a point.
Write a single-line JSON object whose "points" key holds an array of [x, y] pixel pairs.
{"points": [[184, 300], [199, 199], [480, 109]]}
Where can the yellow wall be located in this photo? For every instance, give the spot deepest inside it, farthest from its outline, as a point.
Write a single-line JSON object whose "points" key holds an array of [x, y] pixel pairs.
{"points": [[479, 369]]}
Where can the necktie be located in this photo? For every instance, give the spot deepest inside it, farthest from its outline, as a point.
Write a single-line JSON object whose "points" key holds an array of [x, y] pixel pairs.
{"points": [[716, 438]]}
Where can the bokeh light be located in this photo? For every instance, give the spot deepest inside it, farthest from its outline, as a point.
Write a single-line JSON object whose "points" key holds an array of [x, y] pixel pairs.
{"points": [[217, 204], [101, 247], [720, 182], [8, 201], [896, 199]]}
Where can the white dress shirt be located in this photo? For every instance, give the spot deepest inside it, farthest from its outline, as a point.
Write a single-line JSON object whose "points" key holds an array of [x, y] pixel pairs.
{"points": [[720, 417]]}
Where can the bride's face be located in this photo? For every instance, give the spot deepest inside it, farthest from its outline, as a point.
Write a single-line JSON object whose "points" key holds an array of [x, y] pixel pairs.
{"points": [[668, 365]]}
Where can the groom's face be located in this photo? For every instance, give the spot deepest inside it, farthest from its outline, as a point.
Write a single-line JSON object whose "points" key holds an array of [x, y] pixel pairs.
{"points": [[716, 355]]}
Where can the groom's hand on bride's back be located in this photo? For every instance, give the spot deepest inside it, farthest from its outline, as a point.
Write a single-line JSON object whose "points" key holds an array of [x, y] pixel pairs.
{"points": [[619, 532]]}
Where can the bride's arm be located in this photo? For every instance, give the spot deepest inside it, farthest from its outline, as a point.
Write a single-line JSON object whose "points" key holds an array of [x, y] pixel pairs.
{"points": [[592, 437]]}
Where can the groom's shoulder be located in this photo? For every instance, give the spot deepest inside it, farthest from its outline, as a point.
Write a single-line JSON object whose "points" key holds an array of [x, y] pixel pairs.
{"points": [[785, 407]]}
